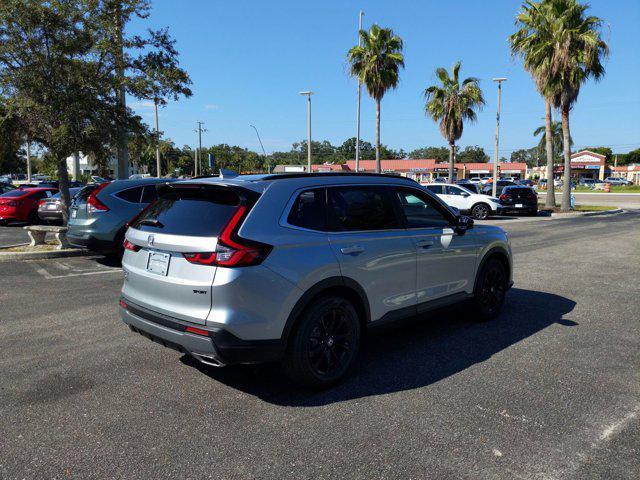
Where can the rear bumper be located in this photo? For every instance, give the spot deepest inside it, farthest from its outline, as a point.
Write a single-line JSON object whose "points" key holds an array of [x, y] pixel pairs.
{"points": [[91, 243], [218, 348], [51, 215]]}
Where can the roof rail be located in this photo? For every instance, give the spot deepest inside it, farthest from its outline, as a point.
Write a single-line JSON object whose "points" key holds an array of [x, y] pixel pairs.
{"points": [[283, 176]]}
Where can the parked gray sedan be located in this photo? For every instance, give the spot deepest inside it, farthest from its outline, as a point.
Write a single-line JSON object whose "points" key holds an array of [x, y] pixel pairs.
{"points": [[98, 218], [50, 209]]}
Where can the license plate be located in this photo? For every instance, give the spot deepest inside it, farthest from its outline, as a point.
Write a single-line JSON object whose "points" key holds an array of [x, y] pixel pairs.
{"points": [[158, 263], [51, 206], [518, 205], [74, 213]]}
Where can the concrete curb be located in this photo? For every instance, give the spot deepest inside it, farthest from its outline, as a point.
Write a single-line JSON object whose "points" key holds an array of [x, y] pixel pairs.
{"points": [[553, 216], [587, 214], [67, 252]]}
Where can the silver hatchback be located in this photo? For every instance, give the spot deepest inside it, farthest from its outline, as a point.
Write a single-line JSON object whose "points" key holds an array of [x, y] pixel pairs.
{"points": [[295, 267]]}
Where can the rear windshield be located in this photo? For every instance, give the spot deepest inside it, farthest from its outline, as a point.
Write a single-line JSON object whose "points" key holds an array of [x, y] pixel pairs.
{"points": [[191, 212], [518, 191]]}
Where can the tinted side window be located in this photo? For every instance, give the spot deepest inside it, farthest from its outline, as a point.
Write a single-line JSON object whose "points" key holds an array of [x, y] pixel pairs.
{"points": [[455, 191], [309, 210], [419, 210], [361, 208], [149, 194], [130, 194], [437, 189]]}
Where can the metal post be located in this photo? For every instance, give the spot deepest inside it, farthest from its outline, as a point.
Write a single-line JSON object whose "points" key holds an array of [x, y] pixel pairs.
{"points": [[495, 155], [197, 167], [28, 161], [158, 166], [308, 94], [75, 171], [359, 92]]}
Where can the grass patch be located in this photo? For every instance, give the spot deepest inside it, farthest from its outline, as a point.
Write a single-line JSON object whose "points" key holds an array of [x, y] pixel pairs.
{"points": [[580, 208]]}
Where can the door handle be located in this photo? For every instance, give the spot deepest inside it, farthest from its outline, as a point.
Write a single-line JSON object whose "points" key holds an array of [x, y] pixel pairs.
{"points": [[352, 250], [424, 243]]}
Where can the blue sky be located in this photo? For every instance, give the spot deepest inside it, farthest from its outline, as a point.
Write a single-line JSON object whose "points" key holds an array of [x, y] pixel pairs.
{"points": [[249, 59]]}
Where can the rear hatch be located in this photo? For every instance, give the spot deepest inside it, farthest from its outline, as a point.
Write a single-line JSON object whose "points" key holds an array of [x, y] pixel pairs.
{"points": [[519, 196], [170, 248]]}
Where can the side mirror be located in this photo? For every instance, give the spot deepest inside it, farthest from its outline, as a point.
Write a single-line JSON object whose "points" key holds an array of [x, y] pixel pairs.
{"points": [[463, 223], [465, 195]]}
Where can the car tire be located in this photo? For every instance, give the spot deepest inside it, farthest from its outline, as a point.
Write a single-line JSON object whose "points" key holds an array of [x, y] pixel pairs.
{"points": [[480, 211], [324, 345], [490, 290]]}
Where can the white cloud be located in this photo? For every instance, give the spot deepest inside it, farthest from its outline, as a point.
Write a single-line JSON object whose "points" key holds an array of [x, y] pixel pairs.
{"points": [[144, 104], [211, 106]]}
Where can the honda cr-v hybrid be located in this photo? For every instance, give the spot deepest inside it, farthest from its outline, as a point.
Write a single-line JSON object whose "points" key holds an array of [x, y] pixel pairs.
{"points": [[295, 267]]}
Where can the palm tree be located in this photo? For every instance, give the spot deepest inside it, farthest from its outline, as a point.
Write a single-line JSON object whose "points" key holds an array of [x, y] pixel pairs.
{"points": [[451, 103], [534, 20], [377, 63], [567, 51], [556, 137]]}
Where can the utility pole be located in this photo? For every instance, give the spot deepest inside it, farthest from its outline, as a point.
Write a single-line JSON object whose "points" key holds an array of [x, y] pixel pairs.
{"points": [[198, 167], [308, 94], [495, 154], [262, 146], [28, 160], [359, 92], [158, 166]]}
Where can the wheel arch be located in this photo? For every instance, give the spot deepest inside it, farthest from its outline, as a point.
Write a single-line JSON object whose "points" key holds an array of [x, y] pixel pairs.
{"points": [[343, 286], [499, 253]]}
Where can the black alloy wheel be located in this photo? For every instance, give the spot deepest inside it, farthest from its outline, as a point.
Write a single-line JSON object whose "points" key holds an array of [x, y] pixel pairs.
{"points": [[325, 343], [491, 289]]}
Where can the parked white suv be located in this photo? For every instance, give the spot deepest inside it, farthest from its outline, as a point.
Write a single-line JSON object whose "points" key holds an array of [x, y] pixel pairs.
{"points": [[469, 203]]}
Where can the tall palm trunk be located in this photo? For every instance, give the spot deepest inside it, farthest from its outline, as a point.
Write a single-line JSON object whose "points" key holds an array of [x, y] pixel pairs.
{"points": [[548, 137], [566, 189], [378, 164], [452, 150]]}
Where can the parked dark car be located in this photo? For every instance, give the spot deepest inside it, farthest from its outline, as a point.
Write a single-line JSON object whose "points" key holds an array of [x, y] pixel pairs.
{"points": [[519, 199], [488, 188], [472, 187], [50, 209], [6, 187]]}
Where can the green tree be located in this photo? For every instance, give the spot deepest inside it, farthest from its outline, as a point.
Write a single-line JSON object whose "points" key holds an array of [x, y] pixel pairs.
{"points": [[441, 154], [606, 151], [10, 143], [533, 156], [556, 138], [376, 63], [633, 157], [473, 154], [62, 73], [452, 103], [563, 49]]}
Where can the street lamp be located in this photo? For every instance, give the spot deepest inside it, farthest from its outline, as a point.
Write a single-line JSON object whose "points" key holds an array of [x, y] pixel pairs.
{"points": [[495, 154], [262, 146], [308, 94]]}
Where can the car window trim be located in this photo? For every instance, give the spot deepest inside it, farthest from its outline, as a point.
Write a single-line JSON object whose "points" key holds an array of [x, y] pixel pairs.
{"points": [[141, 187]]}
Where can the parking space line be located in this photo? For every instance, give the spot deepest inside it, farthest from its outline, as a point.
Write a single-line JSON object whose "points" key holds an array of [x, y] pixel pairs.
{"points": [[70, 271]]}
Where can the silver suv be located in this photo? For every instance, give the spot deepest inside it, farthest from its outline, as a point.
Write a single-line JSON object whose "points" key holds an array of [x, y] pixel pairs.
{"points": [[295, 267]]}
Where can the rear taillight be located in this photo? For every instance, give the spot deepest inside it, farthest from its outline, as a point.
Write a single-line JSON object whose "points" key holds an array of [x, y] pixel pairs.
{"points": [[93, 204], [504, 196], [130, 246], [41, 202], [231, 250]]}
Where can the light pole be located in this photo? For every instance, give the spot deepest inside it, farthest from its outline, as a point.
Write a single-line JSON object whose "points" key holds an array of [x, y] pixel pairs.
{"points": [[158, 174], [199, 152], [28, 160], [308, 94], [495, 153], [359, 91], [262, 146]]}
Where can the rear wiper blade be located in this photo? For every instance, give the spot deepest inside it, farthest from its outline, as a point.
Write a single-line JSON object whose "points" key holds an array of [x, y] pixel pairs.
{"points": [[152, 222]]}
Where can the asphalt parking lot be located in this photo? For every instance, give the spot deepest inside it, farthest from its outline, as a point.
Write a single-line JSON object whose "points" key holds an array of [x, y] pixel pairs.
{"points": [[550, 390]]}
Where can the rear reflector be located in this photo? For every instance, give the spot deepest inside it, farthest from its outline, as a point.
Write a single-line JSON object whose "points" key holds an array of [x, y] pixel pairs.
{"points": [[123, 304], [130, 246], [198, 331]]}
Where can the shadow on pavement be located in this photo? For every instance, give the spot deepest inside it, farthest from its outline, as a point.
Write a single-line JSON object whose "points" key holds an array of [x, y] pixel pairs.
{"points": [[410, 354]]}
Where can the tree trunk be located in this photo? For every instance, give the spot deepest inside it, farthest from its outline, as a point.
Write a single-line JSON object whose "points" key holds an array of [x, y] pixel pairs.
{"points": [[550, 201], [63, 185], [378, 163], [566, 146], [122, 152], [452, 155]]}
